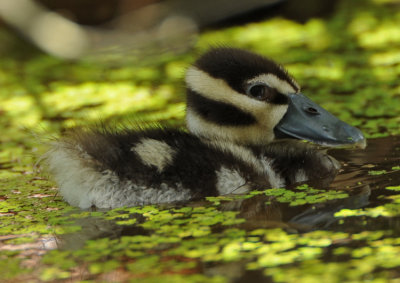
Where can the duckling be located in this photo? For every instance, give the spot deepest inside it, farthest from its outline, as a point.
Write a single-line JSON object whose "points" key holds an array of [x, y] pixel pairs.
{"points": [[241, 110]]}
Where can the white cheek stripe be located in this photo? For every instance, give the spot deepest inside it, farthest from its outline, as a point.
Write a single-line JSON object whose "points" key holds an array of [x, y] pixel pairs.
{"points": [[275, 82]]}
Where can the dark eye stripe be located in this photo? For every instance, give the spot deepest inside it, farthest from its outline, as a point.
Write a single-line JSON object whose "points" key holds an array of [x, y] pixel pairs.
{"points": [[279, 99], [262, 92], [218, 112]]}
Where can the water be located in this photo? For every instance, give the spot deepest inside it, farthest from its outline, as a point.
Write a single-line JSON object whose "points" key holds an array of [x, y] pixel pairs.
{"points": [[364, 176], [356, 177], [380, 154]]}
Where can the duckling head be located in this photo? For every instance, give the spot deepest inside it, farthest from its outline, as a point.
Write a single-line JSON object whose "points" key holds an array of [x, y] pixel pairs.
{"points": [[241, 97]]}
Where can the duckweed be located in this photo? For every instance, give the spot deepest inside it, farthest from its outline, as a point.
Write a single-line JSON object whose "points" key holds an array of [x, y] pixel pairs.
{"points": [[304, 195], [376, 172], [349, 63]]}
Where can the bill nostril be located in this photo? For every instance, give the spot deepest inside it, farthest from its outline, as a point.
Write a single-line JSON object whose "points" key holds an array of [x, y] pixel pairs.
{"points": [[312, 110]]}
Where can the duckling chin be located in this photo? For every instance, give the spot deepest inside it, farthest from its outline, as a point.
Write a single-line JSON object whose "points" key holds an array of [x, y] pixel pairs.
{"points": [[239, 105]]}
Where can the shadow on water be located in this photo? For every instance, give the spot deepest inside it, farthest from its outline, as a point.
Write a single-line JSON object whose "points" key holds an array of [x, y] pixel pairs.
{"points": [[364, 176]]}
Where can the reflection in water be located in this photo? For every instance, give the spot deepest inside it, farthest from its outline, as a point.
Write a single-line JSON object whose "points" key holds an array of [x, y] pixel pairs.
{"points": [[302, 218], [263, 211], [380, 154], [322, 215], [354, 177]]}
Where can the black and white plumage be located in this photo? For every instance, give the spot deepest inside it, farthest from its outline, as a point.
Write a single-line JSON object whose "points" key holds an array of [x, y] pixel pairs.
{"points": [[236, 103]]}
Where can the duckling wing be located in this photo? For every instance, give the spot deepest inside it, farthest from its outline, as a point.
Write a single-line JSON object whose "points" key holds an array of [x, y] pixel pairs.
{"points": [[127, 168]]}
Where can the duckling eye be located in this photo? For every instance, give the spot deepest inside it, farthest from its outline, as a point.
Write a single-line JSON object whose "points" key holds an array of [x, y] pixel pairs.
{"points": [[260, 91]]}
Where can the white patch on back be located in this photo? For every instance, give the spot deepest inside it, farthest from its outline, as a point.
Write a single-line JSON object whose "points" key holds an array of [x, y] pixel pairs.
{"points": [[300, 176], [154, 153], [230, 182], [275, 82], [274, 178]]}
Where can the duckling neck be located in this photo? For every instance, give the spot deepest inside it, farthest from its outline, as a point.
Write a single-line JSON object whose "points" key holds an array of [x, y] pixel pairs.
{"points": [[235, 134]]}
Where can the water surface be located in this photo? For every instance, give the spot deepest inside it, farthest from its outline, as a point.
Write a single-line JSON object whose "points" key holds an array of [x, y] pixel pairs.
{"points": [[265, 239]]}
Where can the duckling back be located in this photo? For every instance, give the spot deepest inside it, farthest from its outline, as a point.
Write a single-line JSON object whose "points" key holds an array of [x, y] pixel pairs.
{"points": [[109, 169]]}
